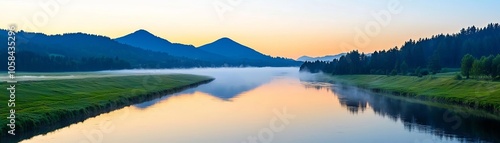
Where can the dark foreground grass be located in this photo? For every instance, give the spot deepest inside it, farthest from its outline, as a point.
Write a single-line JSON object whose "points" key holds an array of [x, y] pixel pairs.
{"points": [[442, 87], [43, 106]]}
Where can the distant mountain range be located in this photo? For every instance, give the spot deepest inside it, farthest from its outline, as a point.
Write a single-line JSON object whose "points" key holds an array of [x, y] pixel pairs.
{"points": [[234, 50], [147, 41], [140, 49], [324, 58], [221, 49]]}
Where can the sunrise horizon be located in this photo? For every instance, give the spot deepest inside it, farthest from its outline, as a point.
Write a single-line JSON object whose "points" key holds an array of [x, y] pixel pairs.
{"points": [[248, 71], [294, 56], [278, 28]]}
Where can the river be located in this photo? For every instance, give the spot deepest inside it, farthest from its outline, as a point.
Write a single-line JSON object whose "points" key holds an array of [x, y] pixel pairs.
{"points": [[278, 105]]}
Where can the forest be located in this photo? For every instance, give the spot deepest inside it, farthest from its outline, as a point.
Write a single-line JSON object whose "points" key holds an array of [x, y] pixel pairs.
{"points": [[485, 67], [30, 61], [419, 57]]}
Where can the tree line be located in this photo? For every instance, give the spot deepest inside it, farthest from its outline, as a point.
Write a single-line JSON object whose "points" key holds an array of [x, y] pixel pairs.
{"points": [[485, 67], [416, 57], [32, 62]]}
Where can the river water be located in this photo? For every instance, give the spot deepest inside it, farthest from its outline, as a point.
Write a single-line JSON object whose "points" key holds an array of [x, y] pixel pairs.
{"points": [[278, 105]]}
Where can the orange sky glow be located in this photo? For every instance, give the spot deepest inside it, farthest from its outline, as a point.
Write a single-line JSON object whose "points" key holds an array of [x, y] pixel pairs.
{"points": [[277, 28]]}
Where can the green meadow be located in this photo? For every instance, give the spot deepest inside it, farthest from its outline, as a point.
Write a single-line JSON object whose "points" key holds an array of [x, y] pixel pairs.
{"points": [[41, 104], [441, 87]]}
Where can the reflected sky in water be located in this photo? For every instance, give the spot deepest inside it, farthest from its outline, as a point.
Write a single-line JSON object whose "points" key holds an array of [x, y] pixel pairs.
{"points": [[276, 105]]}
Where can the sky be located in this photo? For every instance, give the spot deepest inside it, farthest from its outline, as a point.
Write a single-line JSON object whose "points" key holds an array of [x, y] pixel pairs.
{"points": [[286, 28]]}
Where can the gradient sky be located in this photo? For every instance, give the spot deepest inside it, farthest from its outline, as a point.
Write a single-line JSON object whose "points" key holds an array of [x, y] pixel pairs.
{"points": [[277, 27]]}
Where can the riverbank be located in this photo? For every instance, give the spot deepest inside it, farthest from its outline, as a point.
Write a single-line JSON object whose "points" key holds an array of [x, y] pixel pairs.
{"points": [[484, 95], [43, 106]]}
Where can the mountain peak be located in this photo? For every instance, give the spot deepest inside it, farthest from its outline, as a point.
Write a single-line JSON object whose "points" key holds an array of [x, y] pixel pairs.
{"points": [[232, 49], [142, 32], [303, 57], [324, 58], [226, 40]]}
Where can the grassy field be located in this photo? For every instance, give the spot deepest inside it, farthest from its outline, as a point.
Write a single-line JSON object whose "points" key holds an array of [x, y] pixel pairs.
{"points": [[440, 87], [43, 103]]}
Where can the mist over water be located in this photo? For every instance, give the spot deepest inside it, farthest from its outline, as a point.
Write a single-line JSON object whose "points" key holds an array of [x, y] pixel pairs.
{"points": [[259, 73], [278, 105], [229, 82]]}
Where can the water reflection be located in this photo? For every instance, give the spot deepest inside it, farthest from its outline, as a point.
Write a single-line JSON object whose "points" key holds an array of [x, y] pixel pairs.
{"points": [[444, 122], [228, 83], [240, 104]]}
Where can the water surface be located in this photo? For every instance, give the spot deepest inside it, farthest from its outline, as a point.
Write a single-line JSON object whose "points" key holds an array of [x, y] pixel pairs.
{"points": [[279, 105]]}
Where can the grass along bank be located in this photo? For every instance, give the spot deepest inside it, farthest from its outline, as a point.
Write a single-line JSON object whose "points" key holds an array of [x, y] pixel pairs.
{"points": [[441, 87], [43, 106]]}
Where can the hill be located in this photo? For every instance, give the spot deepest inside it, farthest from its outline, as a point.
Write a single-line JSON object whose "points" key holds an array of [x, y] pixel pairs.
{"points": [[38, 52], [145, 40], [229, 48], [86, 52], [324, 58]]}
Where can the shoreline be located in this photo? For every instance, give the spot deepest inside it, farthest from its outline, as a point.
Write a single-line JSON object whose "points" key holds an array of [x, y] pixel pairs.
{"points": [[401, 90], [28, 128]]}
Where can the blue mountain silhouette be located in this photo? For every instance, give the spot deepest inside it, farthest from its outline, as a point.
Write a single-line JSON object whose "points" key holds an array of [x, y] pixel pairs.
{"points": [[323, 58], [141, 49], [229, 48], [148, 41], [224, 51]]}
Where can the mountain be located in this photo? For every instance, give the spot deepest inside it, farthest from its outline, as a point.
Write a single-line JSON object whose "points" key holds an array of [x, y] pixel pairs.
{"points": [[39, 52], [324, 58], [84, 52], [222, 52], [245, 56], [229, 48], [145, 40]]}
